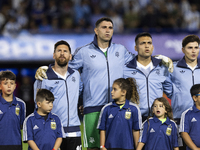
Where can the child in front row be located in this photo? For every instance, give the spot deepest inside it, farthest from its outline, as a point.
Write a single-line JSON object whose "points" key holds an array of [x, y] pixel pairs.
{"points": [[12, 113], [160, 131], [120, 120], [42, 129], [190, 121]]}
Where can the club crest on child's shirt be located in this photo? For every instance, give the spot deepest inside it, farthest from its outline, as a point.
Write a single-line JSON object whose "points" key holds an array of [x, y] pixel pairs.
{"points": [[17, 109], [53, 124], [169, 130], [128, 114]]}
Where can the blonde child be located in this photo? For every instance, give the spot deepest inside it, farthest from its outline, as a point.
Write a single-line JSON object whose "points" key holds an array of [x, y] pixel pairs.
{"points": [[120, 120], [159, 131]]}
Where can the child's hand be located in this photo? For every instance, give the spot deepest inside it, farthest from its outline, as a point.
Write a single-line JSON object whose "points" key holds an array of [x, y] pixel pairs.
{"points": [[103, 148]]}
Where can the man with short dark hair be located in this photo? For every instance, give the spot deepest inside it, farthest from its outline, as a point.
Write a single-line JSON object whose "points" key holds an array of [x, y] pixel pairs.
{"points": [[186, 74], [101, 62], [151, 76]]}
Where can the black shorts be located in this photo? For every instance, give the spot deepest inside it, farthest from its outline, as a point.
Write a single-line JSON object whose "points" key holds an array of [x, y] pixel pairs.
{"points": [[10, 147], [71, 143]]}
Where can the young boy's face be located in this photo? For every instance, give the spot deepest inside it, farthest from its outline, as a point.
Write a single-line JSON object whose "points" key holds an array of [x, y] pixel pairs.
{"points": [[196, 99], [7, 86], [45, 106]]}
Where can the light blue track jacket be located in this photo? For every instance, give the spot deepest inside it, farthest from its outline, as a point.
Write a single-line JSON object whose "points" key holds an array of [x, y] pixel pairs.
{"points": [[151, 86], [66, 93], [183, 79], [99, 72]]}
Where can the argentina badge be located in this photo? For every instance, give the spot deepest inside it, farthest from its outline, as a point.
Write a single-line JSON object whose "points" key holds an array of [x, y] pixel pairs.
{"points": [[128, 114], [169, 130], [17, 109], [53, 124]]}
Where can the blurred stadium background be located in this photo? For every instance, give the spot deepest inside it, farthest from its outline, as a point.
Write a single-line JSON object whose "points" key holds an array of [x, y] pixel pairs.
{"points": [[29, 29]]}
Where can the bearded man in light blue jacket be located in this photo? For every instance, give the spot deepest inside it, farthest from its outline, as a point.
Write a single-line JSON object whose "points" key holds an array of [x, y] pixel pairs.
{"points": [[63, 82]]}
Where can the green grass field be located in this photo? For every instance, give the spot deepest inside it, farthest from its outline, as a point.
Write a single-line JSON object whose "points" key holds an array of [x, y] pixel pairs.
{"points": [[25, 145]]}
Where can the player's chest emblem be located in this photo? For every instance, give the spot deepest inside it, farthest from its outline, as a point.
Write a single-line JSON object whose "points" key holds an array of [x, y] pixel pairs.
{"points": [[128, 114], [117, 54], [17, 109], [53, 124], [158, 72], [169, 130], [134, 72]]}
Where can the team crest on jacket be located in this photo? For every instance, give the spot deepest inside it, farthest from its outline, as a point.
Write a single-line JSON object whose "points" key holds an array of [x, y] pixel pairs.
{"points": [[73, 79], [134, 72], [169, 130], [117, 54], [93, 56], [17, 109], [53, 124], [128, 113], [157, 71]]}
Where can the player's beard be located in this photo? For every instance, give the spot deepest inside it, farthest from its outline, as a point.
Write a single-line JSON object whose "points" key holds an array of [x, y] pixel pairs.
{"points": [[62, 63]]}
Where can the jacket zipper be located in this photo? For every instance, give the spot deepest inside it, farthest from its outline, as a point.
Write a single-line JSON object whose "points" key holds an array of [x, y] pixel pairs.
{"points": [[147, 77], [108, 77], [67, 100], [108, 74]]}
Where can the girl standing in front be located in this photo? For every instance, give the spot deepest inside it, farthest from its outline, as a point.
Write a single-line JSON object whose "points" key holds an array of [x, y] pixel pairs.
{"points": [[120, 120], [159, 131]]}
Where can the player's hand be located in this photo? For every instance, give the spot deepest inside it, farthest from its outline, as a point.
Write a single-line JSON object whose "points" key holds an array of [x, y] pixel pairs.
{"points": [[41, 73], [167, 62], [81, 109]]}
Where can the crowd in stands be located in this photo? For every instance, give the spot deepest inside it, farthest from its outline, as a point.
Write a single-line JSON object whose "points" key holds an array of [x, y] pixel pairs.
{"points": [[79, 16]]}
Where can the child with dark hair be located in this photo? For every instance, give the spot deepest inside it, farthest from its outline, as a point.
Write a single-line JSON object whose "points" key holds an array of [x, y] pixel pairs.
{"points": [[120, 120], [159, 131], [42, 129], [12, 113], [190, 120]]}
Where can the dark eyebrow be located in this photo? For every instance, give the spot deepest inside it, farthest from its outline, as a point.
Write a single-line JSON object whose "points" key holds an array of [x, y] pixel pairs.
{"points": [[143, 42], [107, 26]]}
